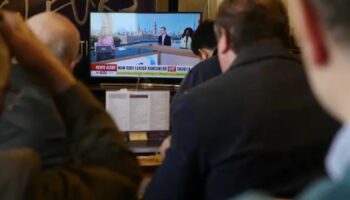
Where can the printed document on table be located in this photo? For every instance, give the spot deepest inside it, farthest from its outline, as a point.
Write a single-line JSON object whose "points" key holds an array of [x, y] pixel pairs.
{"points": [[139, 110]]}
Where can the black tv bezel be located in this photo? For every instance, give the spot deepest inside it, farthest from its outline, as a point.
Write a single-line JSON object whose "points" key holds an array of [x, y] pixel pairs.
{"points": [[130, 80]]}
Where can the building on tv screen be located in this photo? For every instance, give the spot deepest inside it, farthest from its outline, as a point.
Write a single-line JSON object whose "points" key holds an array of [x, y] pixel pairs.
{"points": [[154, 45]]}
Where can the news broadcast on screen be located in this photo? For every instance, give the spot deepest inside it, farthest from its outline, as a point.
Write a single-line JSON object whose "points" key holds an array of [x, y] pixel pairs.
{"points": [[147, 45]]}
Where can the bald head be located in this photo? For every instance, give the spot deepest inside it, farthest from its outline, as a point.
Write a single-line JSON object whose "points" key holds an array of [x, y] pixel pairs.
{"points": [[59, 34]]}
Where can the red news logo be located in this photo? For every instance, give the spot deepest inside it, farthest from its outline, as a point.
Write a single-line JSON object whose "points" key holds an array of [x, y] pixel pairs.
{"points": [[104, 67], [111, 67], [171, 68]]}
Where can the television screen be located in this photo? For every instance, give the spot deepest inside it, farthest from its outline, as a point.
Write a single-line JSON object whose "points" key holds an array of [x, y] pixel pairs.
{"points": [[142, 45]]}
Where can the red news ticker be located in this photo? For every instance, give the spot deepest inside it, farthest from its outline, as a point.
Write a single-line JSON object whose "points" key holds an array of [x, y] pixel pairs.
{"points": [[104, 67], [171, 68]]}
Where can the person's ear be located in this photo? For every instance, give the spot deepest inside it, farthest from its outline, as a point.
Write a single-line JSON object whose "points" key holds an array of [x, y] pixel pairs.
{"points": [[314, 33], [224, 43], [203, 54]]}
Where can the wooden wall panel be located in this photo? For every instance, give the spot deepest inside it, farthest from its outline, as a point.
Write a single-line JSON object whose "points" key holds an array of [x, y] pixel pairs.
{"points": [[162, 5], [208, 7]]}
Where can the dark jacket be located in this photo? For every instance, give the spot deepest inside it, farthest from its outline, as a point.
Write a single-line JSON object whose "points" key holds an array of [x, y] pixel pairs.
{"points": [[200, 73], [30, 119], [257, 126], [87, 158], [167, 40], [100, 165]]}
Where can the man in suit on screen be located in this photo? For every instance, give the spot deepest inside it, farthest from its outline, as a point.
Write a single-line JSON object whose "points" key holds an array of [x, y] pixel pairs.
{"points": [[164, 39]]}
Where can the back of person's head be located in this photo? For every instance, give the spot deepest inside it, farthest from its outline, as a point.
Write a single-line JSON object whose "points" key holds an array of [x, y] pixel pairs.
{"points": [[250, 21], [59, 34], [204, 40]]}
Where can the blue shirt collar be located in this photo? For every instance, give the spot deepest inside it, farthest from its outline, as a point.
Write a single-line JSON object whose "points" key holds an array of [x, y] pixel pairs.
{"points": [[338, 158]]}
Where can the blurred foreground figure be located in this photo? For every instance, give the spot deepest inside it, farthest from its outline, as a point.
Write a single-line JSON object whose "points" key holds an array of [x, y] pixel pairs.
{"points": [[97, 165], [31, 118]]}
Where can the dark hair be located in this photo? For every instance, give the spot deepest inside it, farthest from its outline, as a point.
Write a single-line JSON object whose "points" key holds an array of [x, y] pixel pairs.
{"points": [[163, 27], [187, 29], [250, 21], [204, 37], [336, 15]]}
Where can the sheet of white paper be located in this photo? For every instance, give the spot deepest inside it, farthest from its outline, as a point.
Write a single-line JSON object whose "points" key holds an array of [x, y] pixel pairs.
{"points": [[159, 105], [139, 112], [117, 105]]}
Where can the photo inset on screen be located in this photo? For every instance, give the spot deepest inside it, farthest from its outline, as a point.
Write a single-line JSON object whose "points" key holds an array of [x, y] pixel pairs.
{"points": [[154, 45]]}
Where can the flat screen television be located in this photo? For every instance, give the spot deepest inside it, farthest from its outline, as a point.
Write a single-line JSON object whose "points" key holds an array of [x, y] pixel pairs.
{"points": [[141, 45]]}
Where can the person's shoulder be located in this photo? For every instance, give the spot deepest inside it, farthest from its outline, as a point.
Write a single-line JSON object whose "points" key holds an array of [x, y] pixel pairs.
{"points": [[30, 84], [21, 78], [210, 90], [211, 63], [195, 69], [202, 72], [18, 72]]}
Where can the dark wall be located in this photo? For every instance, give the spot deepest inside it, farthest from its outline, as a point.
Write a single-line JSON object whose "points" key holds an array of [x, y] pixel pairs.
{"points": [[146, 6], [173, 5]]}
